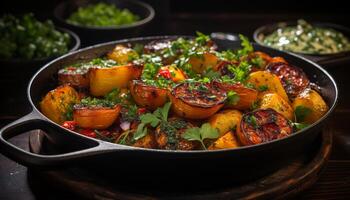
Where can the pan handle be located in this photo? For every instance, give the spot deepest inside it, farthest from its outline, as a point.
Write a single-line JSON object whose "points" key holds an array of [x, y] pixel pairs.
{"points": [[33, 121]]}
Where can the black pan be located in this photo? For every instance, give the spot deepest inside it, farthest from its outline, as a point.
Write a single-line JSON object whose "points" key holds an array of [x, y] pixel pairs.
{"points": [[243, 163]]}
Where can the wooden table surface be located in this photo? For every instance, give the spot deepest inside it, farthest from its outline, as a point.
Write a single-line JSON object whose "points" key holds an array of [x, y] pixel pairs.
{"points": [[16, 183]]}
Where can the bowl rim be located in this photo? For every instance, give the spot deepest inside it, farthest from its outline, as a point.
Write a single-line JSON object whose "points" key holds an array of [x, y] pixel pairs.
{"points": [[143, 21], [75, 40], [114, 146], [340, 28]]}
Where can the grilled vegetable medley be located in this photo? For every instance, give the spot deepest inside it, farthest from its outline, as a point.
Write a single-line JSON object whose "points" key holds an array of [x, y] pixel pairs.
{"points": [[184, 94]]}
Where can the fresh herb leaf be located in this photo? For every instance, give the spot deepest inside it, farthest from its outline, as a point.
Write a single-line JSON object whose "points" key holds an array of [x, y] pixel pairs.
{"points": [[150, 118], [141, 132], [301, 112], [232, 97], [241, 72], [252, 121], [200, 134], [247, 46], [113, 96], [201, 38], [158, 117], [300, 126]]}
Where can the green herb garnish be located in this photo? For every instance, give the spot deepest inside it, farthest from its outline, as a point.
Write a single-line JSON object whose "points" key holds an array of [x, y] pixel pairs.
{"points": [[102, 15], [232, 97], [200, 134]]}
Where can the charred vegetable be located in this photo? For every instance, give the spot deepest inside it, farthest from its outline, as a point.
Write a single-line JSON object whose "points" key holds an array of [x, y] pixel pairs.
{"points": [[263, 125], [197, 100]]}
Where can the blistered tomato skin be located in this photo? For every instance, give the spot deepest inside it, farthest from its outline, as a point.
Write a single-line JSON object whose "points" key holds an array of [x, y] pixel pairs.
{"points": [[148, 96], [293, 79], [263, 125], [197, 101], [75, 77]]}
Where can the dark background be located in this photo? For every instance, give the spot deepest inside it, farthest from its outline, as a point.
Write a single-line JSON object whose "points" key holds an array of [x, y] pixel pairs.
{"points": [[186, 17]]}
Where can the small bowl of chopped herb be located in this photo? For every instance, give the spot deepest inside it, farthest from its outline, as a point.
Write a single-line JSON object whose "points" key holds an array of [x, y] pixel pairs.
{"points": [[27, 43], [106, 20], [325, 43]]}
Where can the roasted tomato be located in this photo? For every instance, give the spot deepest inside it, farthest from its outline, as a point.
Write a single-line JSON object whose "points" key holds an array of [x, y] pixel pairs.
{"points": [[103, 80], [259, 60], [170, 138], [204, 62], [147, 96], [263, 125], [76, 77], [95, 117], [197, 100], [122, 54], [247, 96], [278, 59], [57, 103], [172, 72], [293, 79]]}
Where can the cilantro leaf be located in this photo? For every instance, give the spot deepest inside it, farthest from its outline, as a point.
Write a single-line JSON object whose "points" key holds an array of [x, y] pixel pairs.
{"points": [[300, 126], [141, 132], [247, 46], [232, 98], [263, 88], [200, 134], [151, 119]]}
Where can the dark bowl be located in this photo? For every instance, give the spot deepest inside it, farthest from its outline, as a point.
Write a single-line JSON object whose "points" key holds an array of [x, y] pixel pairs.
{"points": [[323, 59], [93, 34], [11, 67]]}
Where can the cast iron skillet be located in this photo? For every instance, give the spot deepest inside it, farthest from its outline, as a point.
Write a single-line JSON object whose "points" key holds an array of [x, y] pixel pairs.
{"points": [[101, 156], [327, 60]]}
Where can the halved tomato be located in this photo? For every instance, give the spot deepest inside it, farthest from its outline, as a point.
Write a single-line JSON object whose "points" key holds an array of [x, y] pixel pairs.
{"points": [[147, 96], [95, 117], [197, 100], [293, 79], [74, 76], [247, 96], [263, 125]]}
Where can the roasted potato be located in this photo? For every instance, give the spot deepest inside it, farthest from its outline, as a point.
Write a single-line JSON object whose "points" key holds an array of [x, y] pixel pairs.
{"points": [[103, 80], [191, 101], [122, 55], [204, 62], [309, 106], [147, 96], [225, 120], [227, 141], [96, 117], [270, 81], [276, 102], [58, 102], [263, 125]]}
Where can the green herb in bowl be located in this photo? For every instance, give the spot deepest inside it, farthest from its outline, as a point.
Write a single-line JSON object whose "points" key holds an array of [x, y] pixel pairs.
{"points": [[102, 15], [27, 38], [308, 39]]}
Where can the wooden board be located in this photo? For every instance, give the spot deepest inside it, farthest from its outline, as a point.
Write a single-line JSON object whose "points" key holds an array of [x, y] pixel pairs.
{"points": [[283, 183]]}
